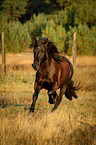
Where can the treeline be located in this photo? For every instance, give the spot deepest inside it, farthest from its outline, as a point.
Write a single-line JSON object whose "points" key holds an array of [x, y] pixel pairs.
{"points": [[58, 20]]}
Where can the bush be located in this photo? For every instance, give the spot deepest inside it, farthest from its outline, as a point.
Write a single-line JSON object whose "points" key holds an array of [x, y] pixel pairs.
{"points": [[36, 24], [85, 40], [59, 28], [61, 18], [17, 38], [55, 32]]}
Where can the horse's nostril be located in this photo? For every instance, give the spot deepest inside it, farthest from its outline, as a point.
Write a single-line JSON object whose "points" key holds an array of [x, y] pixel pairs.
{"points": [[32, 65]]}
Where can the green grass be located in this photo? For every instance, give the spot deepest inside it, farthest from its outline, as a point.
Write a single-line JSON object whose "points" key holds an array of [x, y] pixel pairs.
{"points": [[73, 123]]}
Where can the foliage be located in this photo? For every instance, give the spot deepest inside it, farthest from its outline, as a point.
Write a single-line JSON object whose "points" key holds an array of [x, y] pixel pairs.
{"points": [[68, 17], [36, 24], [86, 13], [56, 33], [17, 37], [85, 40], [61, 18], [13, 9]]}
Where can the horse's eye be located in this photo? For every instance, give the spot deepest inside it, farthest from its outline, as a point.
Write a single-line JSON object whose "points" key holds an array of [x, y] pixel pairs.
{"points": [[38, 47]]}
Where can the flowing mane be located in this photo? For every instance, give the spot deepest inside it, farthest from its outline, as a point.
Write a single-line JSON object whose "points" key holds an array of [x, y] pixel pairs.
{"points": [[56, 55]]}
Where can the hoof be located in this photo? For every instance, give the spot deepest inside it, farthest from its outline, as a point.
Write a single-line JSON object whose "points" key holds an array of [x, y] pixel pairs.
{"points": [[30, 114], [53, 110]]}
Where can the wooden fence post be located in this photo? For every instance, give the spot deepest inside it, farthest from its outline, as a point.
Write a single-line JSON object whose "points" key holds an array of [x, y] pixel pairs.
{"points": [[3, 55], [74, 50]]}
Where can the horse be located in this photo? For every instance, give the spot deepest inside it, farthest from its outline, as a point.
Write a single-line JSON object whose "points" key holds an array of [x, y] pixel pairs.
{"points": [[53, 71]]}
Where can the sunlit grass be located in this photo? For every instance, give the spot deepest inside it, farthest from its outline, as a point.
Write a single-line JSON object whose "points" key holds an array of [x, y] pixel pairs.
{"points": [[73, 123]]}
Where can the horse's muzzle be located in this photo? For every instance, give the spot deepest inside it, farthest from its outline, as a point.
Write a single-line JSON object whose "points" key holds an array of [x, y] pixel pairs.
{"points": [[34, 66]]}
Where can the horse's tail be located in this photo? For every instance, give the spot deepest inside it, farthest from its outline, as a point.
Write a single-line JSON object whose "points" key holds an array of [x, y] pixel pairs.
{"points": [[70, 91]]}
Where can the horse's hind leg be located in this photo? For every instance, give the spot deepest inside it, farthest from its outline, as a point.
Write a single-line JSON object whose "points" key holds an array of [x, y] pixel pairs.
{"points": [[59, 98]]}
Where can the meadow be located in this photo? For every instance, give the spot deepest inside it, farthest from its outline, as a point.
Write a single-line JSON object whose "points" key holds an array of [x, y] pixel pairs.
{"points": [[73, 123]]}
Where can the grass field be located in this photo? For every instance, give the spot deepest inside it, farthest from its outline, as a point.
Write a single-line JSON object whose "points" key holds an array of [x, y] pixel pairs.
{"points": [[73, 123]]}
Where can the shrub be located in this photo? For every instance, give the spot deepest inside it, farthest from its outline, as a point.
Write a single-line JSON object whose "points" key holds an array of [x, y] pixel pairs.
{"points": [[36, 24], [61, 18], [59, 28], [17, 38], [55, 32], [85, 40]]}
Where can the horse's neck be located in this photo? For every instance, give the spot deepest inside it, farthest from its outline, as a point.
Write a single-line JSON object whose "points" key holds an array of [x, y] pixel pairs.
{"points": [[48, 65], [50, 61]]}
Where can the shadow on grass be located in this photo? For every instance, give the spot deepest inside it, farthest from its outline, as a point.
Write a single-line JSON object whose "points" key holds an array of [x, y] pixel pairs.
{"points": [[84, 135], [26, 107]]}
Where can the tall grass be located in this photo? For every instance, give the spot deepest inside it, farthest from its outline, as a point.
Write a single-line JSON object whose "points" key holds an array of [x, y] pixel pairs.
{"points": [[57, 128], [73, 123]]}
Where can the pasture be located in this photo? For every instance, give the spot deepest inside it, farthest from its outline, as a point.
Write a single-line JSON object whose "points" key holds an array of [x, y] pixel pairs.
{"points": [[73, 123]]}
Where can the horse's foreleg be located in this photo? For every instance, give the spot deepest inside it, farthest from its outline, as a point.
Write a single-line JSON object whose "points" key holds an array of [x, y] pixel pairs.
{"points": [[35, 96], [58, 100]]}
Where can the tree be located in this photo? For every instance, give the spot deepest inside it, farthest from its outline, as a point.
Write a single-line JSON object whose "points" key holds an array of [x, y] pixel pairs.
{"points": [[34, 5], [13, 9]]}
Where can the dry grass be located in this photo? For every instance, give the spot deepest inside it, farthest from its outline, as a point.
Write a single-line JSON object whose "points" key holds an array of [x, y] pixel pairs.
{"points": [[21, 58], [73, 123]]}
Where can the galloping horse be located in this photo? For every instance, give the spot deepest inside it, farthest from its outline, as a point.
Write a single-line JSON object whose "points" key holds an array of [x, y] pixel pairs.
{"points": [[53, 72]]}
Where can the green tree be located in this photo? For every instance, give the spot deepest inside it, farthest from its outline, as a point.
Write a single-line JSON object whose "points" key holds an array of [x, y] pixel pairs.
{"points": [[56, 33], [34, 6], [86, 13], [17, 37], [85, 40], [13, 9]]}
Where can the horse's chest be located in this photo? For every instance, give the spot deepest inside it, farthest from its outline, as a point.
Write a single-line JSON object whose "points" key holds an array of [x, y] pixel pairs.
{"points": [[50, 73]]}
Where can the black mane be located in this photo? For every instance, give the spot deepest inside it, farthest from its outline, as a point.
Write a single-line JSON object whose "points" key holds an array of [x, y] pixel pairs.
{"points": [[51, 46], [56, 55]]}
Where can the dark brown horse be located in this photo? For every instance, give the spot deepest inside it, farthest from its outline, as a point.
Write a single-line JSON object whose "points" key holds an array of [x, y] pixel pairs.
{"points": [[53, 72]]}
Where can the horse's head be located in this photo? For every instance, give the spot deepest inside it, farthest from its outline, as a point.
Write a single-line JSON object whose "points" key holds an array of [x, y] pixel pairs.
{"points": [[39, 52]]}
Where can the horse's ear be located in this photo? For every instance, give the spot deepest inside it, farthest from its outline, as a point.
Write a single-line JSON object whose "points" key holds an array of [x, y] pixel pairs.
{"points": [[34, 40], [45, 42]]}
